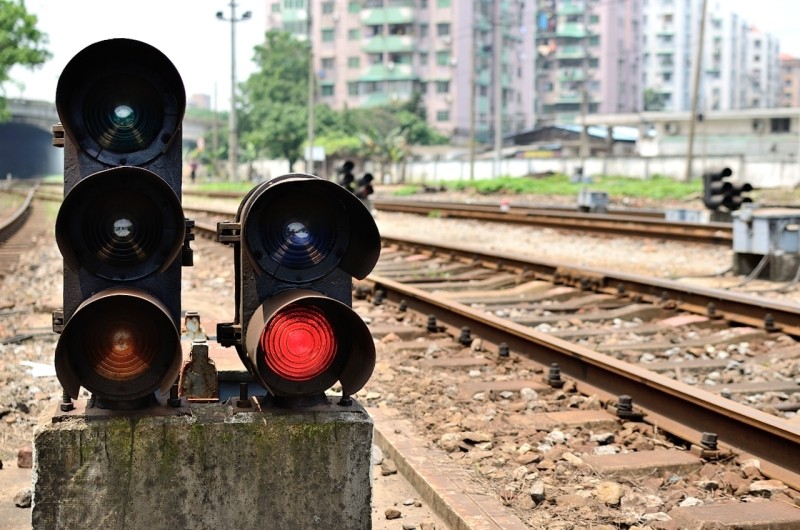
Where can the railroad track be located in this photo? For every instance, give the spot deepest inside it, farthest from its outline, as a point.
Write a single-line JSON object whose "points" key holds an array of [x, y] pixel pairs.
{"points": [[546, 385], [20, 227], [637, 224]]}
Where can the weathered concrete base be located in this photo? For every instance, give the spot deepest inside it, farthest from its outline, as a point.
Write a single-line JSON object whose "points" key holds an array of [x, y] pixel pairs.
{"points": [[214, 466], [781, 267]]}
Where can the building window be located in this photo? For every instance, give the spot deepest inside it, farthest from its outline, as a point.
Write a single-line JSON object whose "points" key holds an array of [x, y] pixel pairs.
{"points": [[326, 90], [327, 8], [442, 3], [423, 31], [442, 115], [442, 87], [354, 7], [594, 19], [327, 35], [353, 62], [780, 125], [354, 34], [294, 4], [443, 58], [327, 63], [276, 7], [423, 58], [442, 29], [352, 88]]}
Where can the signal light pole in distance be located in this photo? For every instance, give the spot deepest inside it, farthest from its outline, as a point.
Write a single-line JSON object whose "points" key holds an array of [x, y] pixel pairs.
{"points": [[121, 227], [298, 242]]}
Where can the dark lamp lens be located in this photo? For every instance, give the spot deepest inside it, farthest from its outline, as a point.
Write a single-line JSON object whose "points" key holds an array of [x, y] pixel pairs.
{"points": [[120, 351]]}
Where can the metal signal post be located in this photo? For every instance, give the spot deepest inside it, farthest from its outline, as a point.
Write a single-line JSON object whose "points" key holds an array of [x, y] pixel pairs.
{"points": [[298, 242], [121, 228]]}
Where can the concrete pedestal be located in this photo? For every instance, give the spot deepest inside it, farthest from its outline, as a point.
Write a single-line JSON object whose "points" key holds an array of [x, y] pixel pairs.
{"points": [[204, 466]]}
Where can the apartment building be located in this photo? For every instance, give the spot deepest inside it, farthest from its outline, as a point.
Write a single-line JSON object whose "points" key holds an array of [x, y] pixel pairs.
{"points": [[763, 87], [790, 81], [740, 67], [373, 52], [587, 58]]}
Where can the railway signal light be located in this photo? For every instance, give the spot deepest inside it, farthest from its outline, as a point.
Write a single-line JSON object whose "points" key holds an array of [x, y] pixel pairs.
{"points": [[719, 191], [120, 228], [298, 242]]}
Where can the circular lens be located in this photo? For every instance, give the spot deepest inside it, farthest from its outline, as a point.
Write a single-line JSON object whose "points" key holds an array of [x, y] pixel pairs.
{"points": [[123, 228], [120, 344], [121, 351], [297, 234], [123, 116], [120, 224], [126, 114], [298, 344]]}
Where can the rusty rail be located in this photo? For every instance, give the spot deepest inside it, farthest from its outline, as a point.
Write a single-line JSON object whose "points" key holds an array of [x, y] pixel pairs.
{"points": [[681, 409], [630, 225], [14, 222]]}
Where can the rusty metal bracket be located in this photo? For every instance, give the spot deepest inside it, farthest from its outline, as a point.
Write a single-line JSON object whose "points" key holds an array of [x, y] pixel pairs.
{"points": [[229, 232], [199, 381]]}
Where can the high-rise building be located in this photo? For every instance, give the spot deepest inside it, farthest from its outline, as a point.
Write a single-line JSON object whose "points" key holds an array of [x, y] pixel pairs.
{"points": [[374, 52], [588, 58], [790, 81], [740, 64]]}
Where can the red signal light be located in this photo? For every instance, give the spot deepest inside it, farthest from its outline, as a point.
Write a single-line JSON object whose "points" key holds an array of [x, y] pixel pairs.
{"points": [[298, 343]]}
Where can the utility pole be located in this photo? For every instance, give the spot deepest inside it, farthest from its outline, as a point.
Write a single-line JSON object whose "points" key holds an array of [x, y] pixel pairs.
{"points": [[497, 58], [472, 95], [215, 135], [583, 149], [233, 139], [698, 63], [311, 94]]}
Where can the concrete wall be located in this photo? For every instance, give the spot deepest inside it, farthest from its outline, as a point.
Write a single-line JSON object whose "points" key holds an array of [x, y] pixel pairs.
{"points": [[758, 172]]}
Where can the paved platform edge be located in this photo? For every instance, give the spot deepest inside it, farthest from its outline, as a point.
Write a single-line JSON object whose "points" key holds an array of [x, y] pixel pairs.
{"points": [[448, 490]]}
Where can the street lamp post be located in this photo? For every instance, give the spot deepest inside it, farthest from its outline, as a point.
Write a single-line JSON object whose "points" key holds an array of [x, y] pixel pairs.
{"points": [[233, 141]]}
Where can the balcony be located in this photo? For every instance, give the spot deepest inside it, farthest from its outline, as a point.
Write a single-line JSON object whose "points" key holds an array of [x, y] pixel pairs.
{"points": [[568, 97], [387, 15], [390, 43], [570, 51], [387, 72], [571, 29], [572, 74], [571, 8]]}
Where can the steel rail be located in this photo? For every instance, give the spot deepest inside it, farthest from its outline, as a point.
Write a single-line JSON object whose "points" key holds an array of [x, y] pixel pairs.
{"points": [[671, 405], [632, 225], [743, 309], [15, 221]]}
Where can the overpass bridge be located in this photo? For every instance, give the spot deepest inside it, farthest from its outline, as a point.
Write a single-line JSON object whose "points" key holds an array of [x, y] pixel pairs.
{"points": [[26, 140]]}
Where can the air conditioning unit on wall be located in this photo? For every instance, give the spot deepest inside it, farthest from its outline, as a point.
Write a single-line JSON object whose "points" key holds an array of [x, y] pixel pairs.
{"points": [[672, 128]]}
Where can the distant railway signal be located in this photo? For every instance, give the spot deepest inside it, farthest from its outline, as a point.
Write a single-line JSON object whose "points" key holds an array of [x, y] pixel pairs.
{"points": [[121, 228], [721, 192], [298, 242]]}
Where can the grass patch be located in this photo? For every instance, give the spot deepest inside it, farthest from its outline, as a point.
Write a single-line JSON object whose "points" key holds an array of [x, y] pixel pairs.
{"points": [[406, 191], [237, 187], [656, 187]]}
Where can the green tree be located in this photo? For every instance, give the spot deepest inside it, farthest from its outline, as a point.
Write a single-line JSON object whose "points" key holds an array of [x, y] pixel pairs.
{"points": [[274, 114], [20, 43]]}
